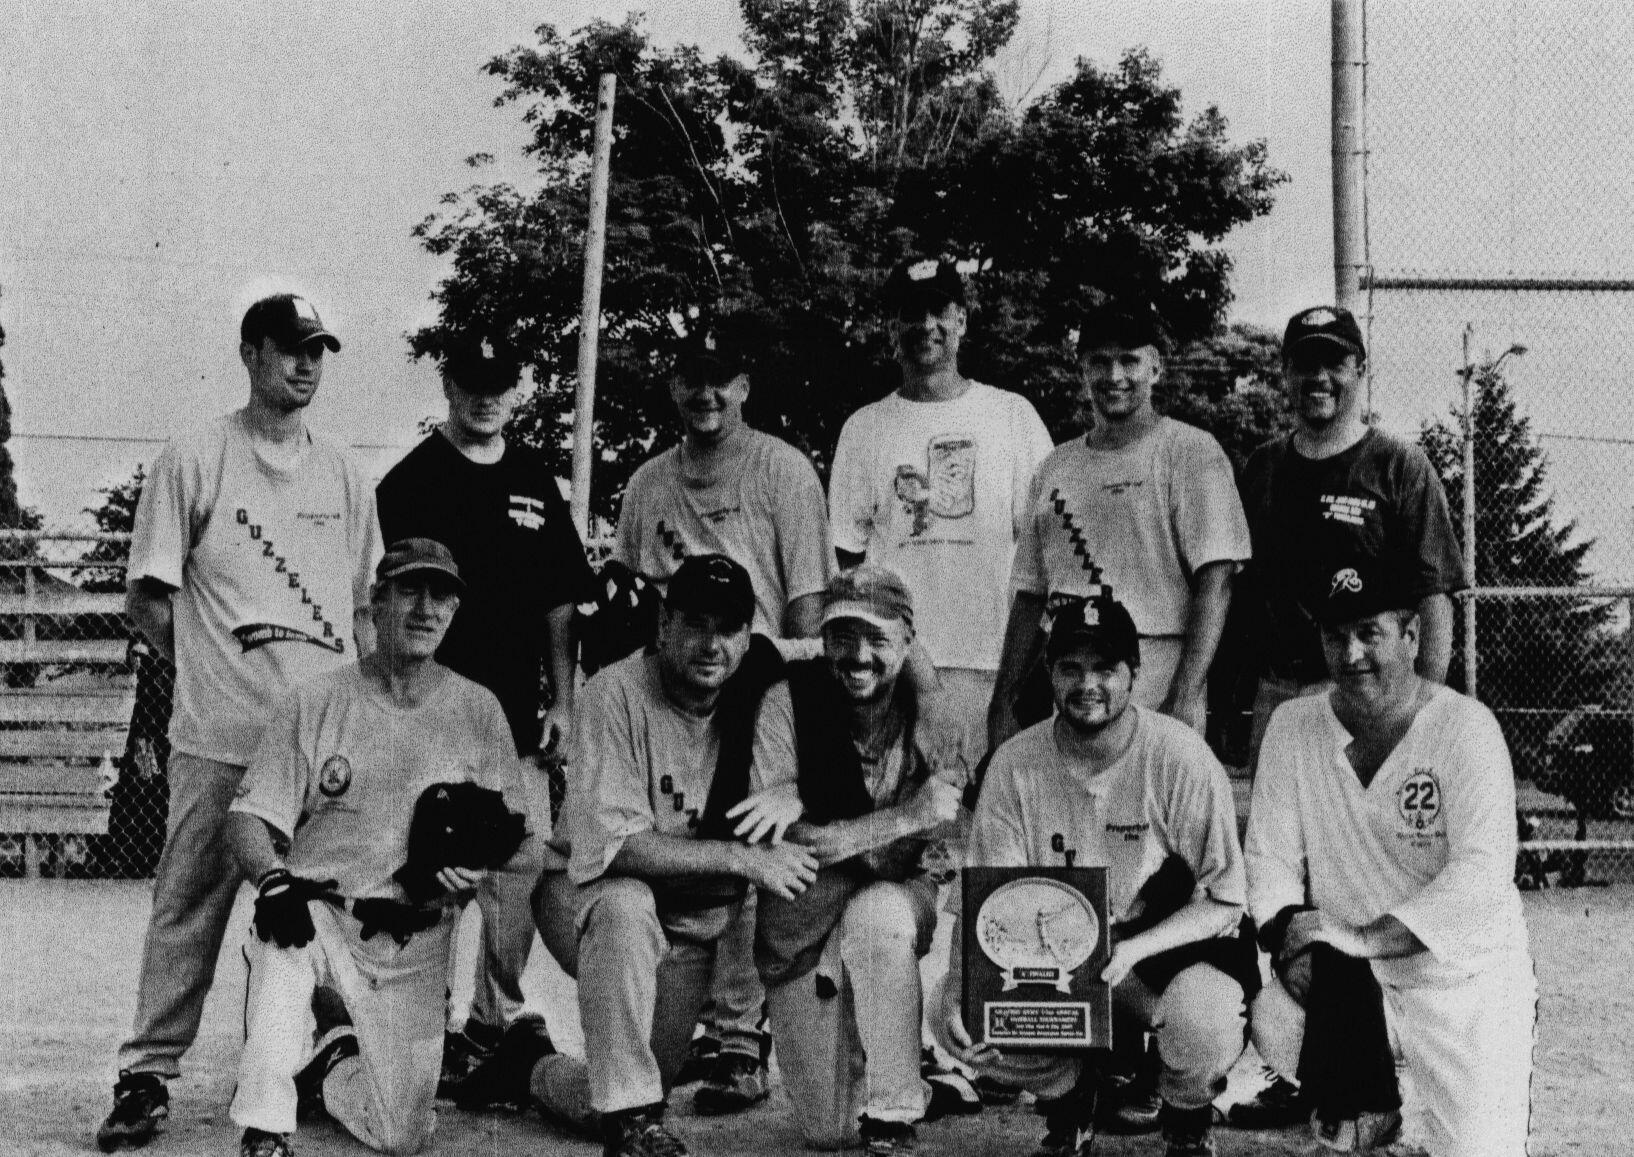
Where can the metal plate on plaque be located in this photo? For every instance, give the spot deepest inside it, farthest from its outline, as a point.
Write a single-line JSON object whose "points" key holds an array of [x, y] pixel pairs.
{"points": [[1035, 941]]}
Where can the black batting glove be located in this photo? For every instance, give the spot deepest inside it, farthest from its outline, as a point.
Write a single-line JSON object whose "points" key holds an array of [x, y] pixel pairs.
{"points": [[281, 913]]}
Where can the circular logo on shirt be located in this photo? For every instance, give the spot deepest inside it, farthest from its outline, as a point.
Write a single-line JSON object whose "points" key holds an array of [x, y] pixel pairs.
{"points": [[1419, 800], [335, 776]]}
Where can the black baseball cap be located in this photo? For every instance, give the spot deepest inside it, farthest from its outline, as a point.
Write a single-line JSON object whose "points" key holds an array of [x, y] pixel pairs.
{"points": [[289, 319], [1358, 590], [712, 584], [1324, 323], [481, 365], [1122, 325], [922, 283], [1102, 624], [713, 357], [413, 555]]}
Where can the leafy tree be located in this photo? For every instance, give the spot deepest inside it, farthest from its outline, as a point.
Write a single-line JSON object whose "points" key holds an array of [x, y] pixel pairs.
{"points": [[104, 569], [1231, 385], [772, 195], [1538, 657]]}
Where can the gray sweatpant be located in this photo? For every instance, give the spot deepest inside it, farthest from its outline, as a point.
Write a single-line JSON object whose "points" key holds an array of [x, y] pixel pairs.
{"points": [[643, 978], [193, 891]]}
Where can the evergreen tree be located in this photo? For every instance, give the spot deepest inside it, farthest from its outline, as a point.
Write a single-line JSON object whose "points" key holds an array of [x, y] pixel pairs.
{"points": [[1538, 657]]}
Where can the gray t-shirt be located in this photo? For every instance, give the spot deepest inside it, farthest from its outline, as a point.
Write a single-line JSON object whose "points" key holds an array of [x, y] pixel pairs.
{"points": [[340, 766], [643, 765], [268, 560], [766, 512], [1166, 795]]}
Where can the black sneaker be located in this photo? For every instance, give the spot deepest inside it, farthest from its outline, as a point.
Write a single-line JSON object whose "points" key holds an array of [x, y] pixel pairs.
{"points": [[1129, 1102], [996, 1092], [1277, 1105], [700, 1059], [463, 1052], [952, 1094], [140, 1104], [736, 1082], [260, 1143], [639, 1133], [887, 1138], [1069, 1121], [1186, 1132], [332, 1047], [505, 1079], [1367, 1132]]}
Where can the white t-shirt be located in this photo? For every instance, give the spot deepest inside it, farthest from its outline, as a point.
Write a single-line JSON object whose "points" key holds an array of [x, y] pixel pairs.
{"points": [[1166, 795], [1430, 841], [339, 768], [937, 491], [643, 765], [766, 513], [269, 561], [1136, 523]]}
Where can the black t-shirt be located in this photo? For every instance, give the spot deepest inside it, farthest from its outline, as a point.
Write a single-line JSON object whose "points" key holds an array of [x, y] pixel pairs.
{"points": [[1377, 500], [517, 550]]}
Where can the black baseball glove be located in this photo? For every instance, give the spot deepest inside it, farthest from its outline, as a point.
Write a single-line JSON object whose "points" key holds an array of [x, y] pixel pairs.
{"points": [[281, 913], [457, 825]]}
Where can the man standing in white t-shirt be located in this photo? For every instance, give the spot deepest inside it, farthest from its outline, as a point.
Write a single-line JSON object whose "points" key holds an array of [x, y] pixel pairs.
{"points": [[932, 482], [1143, 508], [250, 567]]}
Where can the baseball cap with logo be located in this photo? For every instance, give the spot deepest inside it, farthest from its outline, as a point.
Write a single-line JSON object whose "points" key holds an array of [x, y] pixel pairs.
{"points": [[481, 366], [872, 593], [712, 584], [414, 555], [1358, 590], [1324, 323], [922, 283], [711, 358], [1121, 325], [289, 319], [1102, 624]]}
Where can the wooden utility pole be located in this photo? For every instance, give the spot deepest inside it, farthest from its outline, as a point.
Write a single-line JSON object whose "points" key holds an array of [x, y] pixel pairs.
{"points": [[1349, 63], [595, 245]]}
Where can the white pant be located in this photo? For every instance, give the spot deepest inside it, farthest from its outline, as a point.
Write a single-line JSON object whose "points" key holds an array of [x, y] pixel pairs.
{"points": [[1467, 1061], [856, 1050], [394, 995], [1463, 1056]]}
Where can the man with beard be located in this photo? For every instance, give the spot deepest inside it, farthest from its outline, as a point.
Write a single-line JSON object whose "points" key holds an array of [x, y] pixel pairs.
{"points": [[1111, 784], [1381, 852], [841, 959]]}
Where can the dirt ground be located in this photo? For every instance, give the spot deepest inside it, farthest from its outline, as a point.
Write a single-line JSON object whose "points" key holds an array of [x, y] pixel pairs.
{"points": [[67, 988]]}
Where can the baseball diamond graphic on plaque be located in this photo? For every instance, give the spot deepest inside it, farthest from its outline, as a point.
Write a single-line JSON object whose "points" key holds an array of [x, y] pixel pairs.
{"points": [[1035, 941]]}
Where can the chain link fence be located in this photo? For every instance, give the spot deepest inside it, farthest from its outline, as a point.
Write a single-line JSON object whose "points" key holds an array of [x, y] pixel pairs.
{"points": [[85, 712], [1501, 306]]}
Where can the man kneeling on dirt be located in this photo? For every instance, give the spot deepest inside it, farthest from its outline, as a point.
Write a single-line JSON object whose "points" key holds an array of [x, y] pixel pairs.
{"points": [[323, 814], [1381, 852], [656, 869], [1111, 784], [840, 960]]}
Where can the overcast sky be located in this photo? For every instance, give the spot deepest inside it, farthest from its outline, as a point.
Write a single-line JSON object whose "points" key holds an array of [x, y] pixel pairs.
{"points": [[162, 161]]}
